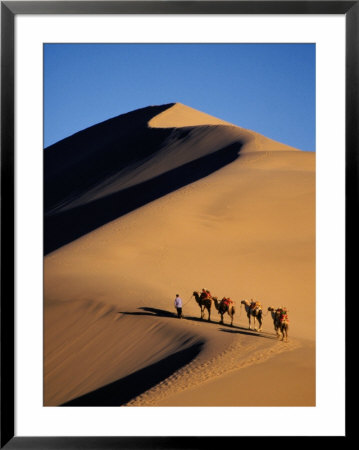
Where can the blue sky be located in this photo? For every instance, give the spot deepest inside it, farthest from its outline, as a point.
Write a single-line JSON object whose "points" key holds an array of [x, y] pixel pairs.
{"points": [[268, 88]]}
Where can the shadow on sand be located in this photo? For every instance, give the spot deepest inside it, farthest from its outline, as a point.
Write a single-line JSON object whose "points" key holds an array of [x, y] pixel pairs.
{"points": [[122, 391], [147, 311], [245, 331], [62, 228]]}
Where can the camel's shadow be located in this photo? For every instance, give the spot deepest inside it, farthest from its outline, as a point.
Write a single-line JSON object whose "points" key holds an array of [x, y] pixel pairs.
{"points": [[148, 311], [244, 331]]}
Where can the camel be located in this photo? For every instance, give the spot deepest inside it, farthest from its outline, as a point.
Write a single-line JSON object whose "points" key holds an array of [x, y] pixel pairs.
{"points": [[275, 317], [284, 326], [280, 322], [255, 312], [204, 303], [283, 322], [225, 307]]}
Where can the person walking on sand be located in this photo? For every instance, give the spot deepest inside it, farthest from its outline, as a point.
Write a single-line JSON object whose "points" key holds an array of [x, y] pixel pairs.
{"points": [[178, 306]]}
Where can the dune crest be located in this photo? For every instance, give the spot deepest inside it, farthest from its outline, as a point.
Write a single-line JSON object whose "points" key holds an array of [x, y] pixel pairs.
{"points": [[180, 115]]}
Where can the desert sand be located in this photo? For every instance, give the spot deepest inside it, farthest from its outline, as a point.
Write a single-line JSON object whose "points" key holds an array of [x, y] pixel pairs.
{"points": [[168, 200]]}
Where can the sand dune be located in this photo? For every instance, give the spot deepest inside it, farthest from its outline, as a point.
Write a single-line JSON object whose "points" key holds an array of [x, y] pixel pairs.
{"points": [[163, 200]]}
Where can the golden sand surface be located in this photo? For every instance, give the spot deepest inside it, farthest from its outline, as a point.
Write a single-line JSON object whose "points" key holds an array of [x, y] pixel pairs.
{"points": [[245, 231]]}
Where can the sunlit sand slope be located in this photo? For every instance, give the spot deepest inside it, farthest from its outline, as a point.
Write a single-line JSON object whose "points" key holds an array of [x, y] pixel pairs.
{"points": [[239, 220]]}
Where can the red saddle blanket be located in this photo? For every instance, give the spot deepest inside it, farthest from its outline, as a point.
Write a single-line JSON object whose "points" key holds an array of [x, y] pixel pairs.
{"points": [[283, 318], [227, 301]]}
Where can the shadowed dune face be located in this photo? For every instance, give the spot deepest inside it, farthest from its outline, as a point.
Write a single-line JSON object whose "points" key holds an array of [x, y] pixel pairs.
{"points": [[90, 345], [77, 162], [122, 391], [112, 168], [117, 166], [67, 225]]}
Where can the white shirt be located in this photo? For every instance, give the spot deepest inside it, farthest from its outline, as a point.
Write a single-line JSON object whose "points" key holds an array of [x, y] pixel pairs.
{"points": [[178, 302]]}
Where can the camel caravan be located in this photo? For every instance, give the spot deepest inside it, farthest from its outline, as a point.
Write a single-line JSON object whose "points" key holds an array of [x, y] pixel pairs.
{"points": [[253, 310]]}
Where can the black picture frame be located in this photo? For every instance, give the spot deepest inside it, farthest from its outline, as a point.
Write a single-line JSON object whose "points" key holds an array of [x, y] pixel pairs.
{"points": [[9, 9]]}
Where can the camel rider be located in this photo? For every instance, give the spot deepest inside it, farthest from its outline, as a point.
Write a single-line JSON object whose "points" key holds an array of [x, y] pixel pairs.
{"points": [[205, 293], [283, 315], [255, 305], [227, 301]]}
